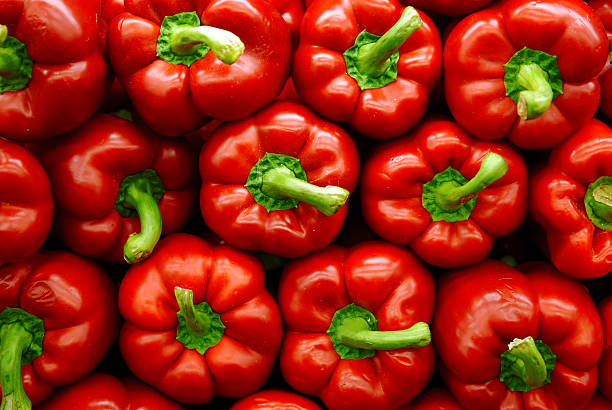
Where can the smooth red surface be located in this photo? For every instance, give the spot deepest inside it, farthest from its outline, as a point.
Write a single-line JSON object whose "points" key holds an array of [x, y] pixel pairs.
{"points": [[232, 283], [78, 305], [173, 98], [479, 46], [556, 201], [449, 7], [100, 391], [329, 28], [434, 399], [275, 400], [86, 168], [68, 75], [605, 363], [599, 403], [482, 308], [26, 203], [385, 279], [392, 185], [603, 8], [327, 154]]}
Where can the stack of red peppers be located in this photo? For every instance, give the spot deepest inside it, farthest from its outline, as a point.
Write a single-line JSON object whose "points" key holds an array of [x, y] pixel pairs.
{"points": [[465, 262]]}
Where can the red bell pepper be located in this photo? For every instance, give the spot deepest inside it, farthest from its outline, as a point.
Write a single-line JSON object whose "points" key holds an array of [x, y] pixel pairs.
{"points": [[26, 207], [510, 339], [115, 96], [275, 400], [525, 70], [449, 7], [199, 321], [127, 181], [599, 403], [278, 180], [571, 198], [371, 65], [58, 318], [605, 363], [159, 51], [603, 8], [415, 191], [356, 326], [434, 399], [100, 391], [52, 72]]}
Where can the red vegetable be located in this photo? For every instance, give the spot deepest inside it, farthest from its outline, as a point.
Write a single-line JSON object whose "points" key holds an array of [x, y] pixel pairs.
{"points": [[111, 180], [58, 318], [52, 72], [278, 181], [434, 399], [449, 7], [26, 203], [570, 198], [415, 192], [525, 70], [605, 363], [599, 403], [381, 92], [516, 340], [275, 400], [199, 321], [603, 8], [175, 84], [100, 391], [356, 326]]}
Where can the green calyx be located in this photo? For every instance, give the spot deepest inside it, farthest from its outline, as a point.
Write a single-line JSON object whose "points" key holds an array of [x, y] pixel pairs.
{"points": [[598, 202], [183, 41], [198, 326], [139, 195], [21, 336], [450, 197], [372, 60], [278, 182], [532, 80], [526, 365], [354, 335], [15, 63]]}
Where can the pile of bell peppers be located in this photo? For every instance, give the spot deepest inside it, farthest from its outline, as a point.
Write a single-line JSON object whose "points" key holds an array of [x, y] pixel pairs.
{"points": [[306, 204]]}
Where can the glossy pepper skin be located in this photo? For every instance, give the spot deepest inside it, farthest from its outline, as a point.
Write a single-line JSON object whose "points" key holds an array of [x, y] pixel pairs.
{"points": [[434, 399], [77, 304], [108, 149], [26, 203], [385, 279], [231, 282], [474, 71], [603, 8], [577, 246], [393, 181], [67, 73], [329, 29], [274, 399], [449, 7], [482, 308], [605, 363], [100, 391], [174, 98], [599, 403], [326, 153]]}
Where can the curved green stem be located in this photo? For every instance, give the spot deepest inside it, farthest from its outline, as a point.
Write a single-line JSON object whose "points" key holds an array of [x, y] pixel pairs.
{"points": [[282, 183], [450, 196], [140, 245], [225, 45], [537, 95], [198, 322], [14, 340], [355, 332], [373, 58], [530, 367]]}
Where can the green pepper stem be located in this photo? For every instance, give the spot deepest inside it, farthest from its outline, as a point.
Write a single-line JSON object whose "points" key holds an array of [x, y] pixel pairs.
{"points": [[281, 183], [450, 196], [197, 321], [355, 332], [14, 339], [140, 245], [537, 96], [531, 367], [602, 205], [373, 58], [225, 45], [3, 33], [10, 62]]}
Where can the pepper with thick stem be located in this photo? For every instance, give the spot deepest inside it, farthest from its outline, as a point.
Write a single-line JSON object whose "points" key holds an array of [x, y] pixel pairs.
{"points": [[368, 65], [356, 326], [570, 199], [443, 193]]}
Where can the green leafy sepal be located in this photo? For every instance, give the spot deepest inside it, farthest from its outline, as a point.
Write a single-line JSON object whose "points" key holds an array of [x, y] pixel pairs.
{"points": [[14, 56], [514, 382], [201, 342], [598, 202], [527, 56], [29, 323], [365, 81], [164, 41], [430, 197], [351, 311], [146, 181]]}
